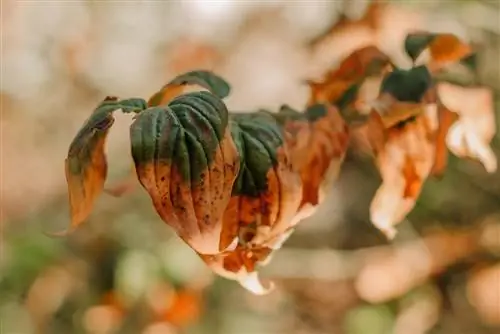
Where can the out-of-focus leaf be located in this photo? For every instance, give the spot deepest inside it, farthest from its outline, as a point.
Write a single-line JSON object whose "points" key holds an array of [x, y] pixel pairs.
{"points": [[86, 165], [187, 161], [193, 80], [407, 85], [366, 61], [471, 134], [442, 49], [404, 162], [342, 85], [318, 140]]}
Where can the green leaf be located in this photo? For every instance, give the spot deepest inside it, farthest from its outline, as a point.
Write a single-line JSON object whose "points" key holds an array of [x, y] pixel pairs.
{"points": [[407, 85], [416, 43], [209, 80]]}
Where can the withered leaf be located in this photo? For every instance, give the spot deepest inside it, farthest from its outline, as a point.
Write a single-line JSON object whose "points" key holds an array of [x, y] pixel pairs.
{"points": [[443, 48], [186, 160], [200, 78], [268, 188], [363, 62], [318, 141], [85, 165], [471, 134]]}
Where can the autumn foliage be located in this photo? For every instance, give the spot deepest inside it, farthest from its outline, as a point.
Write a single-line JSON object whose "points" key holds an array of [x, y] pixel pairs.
{"points": [[235, 186]]}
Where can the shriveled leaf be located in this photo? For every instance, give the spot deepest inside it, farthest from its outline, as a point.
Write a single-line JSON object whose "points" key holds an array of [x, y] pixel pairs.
{"points": [[265, 198], [86, 165], [471, 134], [196, 80], [363, 62], [359, 73], [187, 161], [241, 266], [404, 162], [269, 190], [318, 142], [442, 49]]}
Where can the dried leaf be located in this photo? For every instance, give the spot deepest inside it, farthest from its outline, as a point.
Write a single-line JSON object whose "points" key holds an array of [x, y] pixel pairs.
{"points": [[471, 134], [442, 49], [404, 162], [86, 165], [363, 62], [187, 161], [191, 80], [318, 142]]}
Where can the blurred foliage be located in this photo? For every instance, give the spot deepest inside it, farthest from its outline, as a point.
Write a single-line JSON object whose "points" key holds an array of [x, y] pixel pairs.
{"points": [[125, 271]]}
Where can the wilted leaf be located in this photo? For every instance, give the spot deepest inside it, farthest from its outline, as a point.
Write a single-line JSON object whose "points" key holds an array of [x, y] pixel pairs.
{"points": [[404, 162], [318, 140], [471, 134], [265, 198], [342, 85], [195, 80], [442, 49], [187, 161], [86, 165], [363, 62]]}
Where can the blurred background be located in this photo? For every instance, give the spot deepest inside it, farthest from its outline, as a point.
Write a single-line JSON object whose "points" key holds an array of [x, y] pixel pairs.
{"points": [[125, 272]]}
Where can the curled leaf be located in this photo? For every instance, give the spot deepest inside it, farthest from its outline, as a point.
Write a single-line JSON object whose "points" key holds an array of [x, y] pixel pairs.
{"points": [[186, 160], [194, 80], [363, 62], [265, 199], [471, 134], [442, 49], [268, 189], [318, 140], [86, 165], [404, 162]]}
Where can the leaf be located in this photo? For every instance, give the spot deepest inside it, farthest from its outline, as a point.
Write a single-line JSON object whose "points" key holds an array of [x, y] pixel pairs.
{"points": [[267, 186], [195, 79], [443, 49], [471, 134], [240, 265], [187, 161], [318, 142], [266, 197], [86, 165], [404, 162], [407, 85], [363, 62]]}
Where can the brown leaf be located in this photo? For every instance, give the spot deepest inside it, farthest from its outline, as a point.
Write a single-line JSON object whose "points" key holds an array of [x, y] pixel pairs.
{"points": [[85, 165], [404, 162], [471, 134]]}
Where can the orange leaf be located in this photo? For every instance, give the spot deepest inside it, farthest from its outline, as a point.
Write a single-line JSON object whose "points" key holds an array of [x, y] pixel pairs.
{"points": [[86, 165], [471, 134]]}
